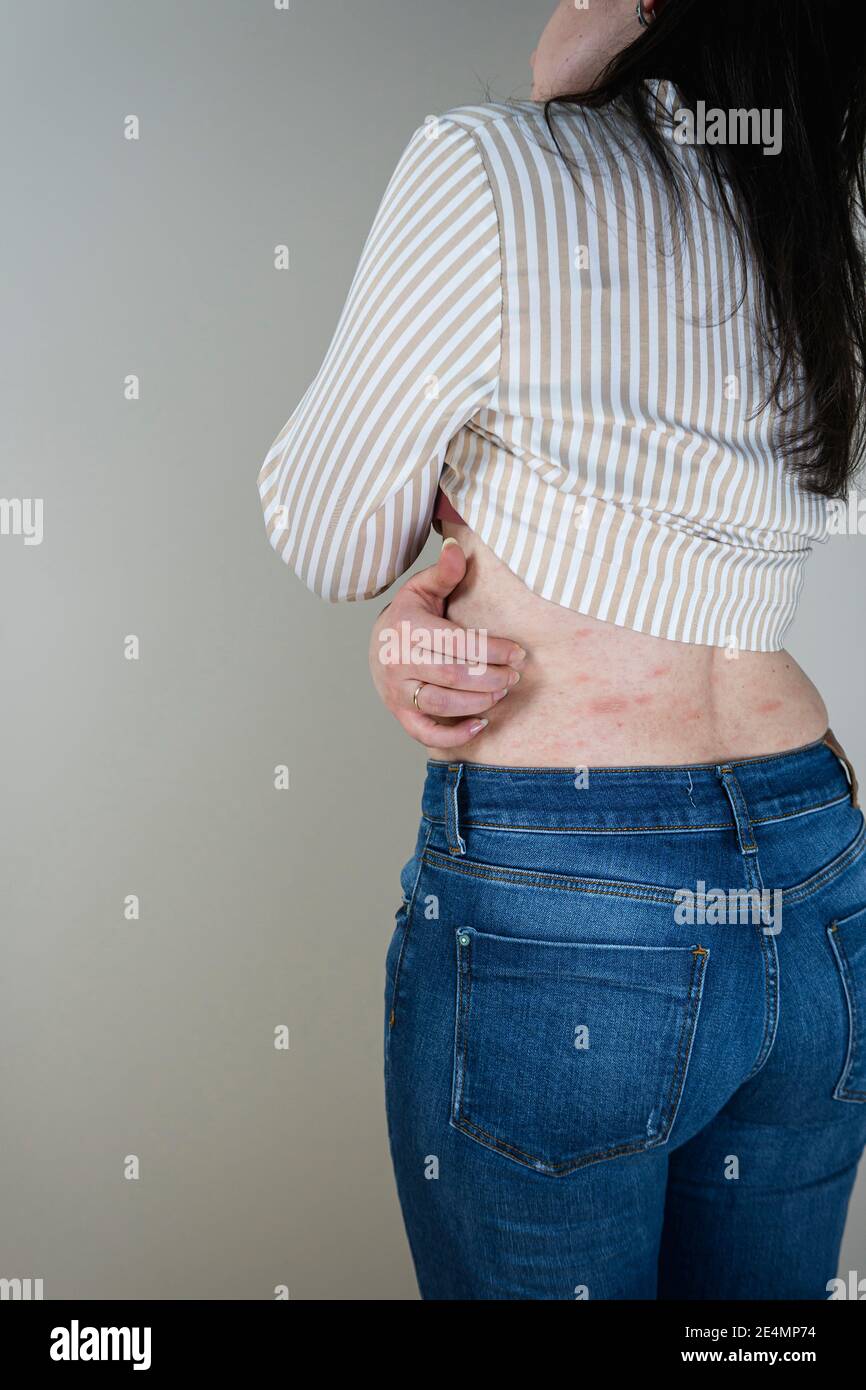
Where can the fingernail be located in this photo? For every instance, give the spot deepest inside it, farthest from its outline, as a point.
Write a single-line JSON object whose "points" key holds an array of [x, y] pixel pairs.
{"points": [[501, 694], [514, 678], [517, 657], [450, 541], [478, 726]]}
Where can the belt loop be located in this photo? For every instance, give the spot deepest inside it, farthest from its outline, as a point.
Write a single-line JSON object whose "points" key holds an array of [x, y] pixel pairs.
{"points": [[835, 746], [742, 821], [456, 843]]}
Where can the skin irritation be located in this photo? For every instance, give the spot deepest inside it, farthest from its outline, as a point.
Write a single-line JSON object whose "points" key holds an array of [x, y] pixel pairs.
{"points": [[592, 693]]}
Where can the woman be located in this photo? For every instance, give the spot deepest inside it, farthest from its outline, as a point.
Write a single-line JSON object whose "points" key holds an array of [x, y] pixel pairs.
{"points": [[621, 327]]}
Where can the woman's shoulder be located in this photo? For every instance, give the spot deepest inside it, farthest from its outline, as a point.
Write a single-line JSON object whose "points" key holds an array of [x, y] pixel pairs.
{"points": [[492, 118], [524, 126], [478, 115]]}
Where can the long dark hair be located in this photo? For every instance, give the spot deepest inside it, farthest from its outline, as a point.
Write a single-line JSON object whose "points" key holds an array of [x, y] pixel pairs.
{"points": [[801, 209]]}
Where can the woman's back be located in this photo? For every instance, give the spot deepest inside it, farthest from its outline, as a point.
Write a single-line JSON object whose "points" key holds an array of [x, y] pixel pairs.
{"points": [[575, 356], [627, 464], [646, 494], [592, 694]]}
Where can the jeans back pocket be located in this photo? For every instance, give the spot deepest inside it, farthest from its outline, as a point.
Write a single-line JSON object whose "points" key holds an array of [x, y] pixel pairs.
{"points": [[568, 1053], [848, 940]]}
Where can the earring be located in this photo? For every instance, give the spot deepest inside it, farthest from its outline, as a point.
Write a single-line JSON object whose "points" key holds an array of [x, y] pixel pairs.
{"points": [[642, 16]]}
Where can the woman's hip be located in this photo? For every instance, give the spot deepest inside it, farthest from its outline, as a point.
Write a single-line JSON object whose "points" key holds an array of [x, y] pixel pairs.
{"points": [[587, 969]]}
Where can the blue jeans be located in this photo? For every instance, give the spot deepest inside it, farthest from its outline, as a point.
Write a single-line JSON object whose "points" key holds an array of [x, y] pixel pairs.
{"points": [[625, 1030]]}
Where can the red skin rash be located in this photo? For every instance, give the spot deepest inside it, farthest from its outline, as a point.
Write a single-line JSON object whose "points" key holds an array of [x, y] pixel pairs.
{"points": [[618, 704], [609, 704]]}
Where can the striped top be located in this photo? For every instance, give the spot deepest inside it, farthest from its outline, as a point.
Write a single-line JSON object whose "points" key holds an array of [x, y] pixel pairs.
{"points": [[580, 369]]}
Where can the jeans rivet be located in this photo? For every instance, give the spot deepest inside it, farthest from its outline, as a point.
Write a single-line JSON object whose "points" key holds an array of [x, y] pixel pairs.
{"points": [[463, 939]]}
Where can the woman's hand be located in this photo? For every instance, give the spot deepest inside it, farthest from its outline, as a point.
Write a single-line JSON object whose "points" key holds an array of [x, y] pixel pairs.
{"points": [[462, 675]]}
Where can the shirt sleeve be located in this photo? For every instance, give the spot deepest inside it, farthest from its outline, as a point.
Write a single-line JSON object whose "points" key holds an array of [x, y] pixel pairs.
{"points": [[349, 484]]}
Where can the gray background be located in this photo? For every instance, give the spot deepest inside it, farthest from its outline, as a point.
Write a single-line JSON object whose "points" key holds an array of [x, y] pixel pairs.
{"points": [[155, 777]]}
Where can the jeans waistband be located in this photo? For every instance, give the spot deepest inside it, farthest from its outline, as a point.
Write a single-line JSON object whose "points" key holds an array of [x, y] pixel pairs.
{"points": [[701, 796]]}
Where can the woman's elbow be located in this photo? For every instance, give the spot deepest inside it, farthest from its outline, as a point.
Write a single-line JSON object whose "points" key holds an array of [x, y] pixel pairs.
{"points": [[334, 576], [340, 557]]}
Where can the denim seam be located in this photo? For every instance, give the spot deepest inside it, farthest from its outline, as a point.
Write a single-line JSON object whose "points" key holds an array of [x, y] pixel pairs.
{"points": [[688, 1030], [552, 1170], [636, 891], [526, 878], [672, 828], [804, 811], [745, 832], [410, 908], [800, 891], [842, 1090], [771, 1011], [568, 829], [770, 958], [465, 989]]}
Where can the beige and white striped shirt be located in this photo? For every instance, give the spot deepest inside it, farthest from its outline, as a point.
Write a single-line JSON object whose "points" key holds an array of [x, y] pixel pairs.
{"points": [[580, 371]]}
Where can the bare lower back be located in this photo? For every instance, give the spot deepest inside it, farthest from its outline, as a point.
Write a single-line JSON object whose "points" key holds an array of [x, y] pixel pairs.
{"points": [[593, 694]]}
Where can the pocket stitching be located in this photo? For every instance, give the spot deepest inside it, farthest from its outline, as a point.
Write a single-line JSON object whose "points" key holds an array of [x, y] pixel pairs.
{"points": [[528, 878], [461, 1121], [690, 1023], [842, 1090]]}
